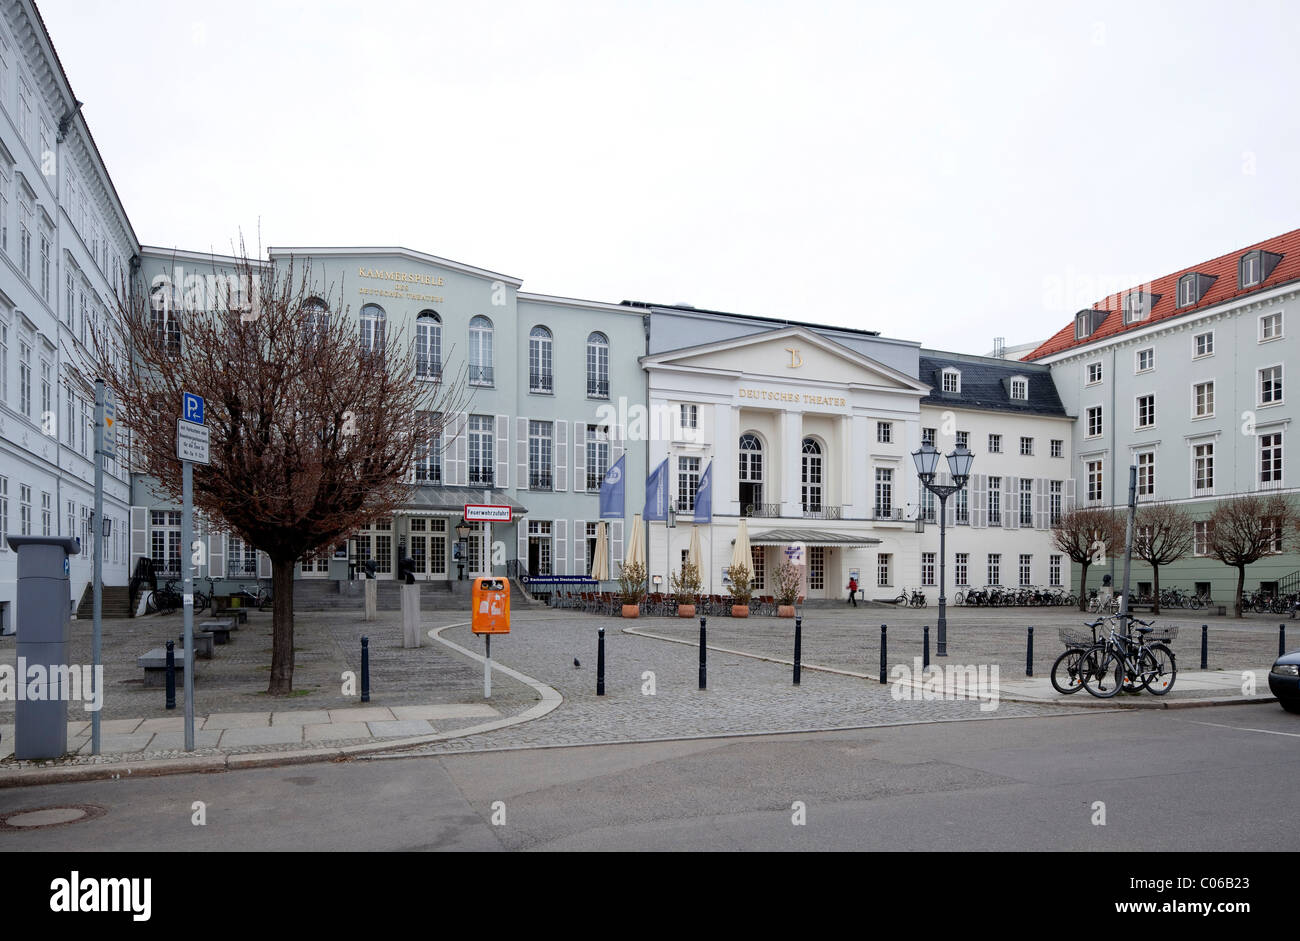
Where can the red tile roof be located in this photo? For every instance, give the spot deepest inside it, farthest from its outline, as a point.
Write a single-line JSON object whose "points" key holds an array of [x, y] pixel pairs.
{"points": [[1223, 268]]}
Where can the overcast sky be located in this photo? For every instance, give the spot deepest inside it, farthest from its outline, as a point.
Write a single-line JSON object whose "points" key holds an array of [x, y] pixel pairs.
{"points": [[941, 172]]}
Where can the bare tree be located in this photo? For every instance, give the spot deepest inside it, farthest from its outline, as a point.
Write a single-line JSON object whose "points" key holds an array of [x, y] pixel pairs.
{"points": [[1087, 535], [1162, 534], [315, 421], [1242, 530]]}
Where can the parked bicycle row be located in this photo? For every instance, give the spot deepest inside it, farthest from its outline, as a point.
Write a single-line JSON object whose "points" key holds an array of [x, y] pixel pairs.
{"points": [[1122, 652], [169, 598], [997, 596]]}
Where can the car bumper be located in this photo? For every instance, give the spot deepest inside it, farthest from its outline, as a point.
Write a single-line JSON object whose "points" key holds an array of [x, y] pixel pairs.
{"points": [[1284, 687]]}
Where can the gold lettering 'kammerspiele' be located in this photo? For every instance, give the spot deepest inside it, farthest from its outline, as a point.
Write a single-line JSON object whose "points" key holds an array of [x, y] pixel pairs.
{"points": [[409, 276]]}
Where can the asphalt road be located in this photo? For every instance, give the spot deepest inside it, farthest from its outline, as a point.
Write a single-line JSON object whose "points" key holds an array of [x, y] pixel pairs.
{"points": [[1189, 779]]}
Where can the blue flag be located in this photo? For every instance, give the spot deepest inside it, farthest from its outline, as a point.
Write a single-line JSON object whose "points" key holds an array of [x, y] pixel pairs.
{"points": [[611, 492], [704, 496], [656, 493]]}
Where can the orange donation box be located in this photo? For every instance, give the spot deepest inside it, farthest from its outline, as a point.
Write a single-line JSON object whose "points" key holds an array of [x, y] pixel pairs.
{"points": [[491, 611]]}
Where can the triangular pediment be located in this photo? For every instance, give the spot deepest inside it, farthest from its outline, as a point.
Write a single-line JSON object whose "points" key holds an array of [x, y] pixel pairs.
{"points": [[791, 354]]}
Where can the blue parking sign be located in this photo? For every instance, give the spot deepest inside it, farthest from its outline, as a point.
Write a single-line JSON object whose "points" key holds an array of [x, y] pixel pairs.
{"points": [[192, 407]]}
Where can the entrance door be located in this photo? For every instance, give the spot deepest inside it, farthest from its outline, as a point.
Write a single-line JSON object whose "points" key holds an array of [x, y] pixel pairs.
{"points": [[539, 547], [429, 548]]}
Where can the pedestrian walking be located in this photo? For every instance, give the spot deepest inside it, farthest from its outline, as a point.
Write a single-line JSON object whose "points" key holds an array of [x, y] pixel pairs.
{"points": [[853, 591]]}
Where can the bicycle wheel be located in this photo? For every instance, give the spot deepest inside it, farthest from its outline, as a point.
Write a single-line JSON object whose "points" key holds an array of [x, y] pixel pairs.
{"points": [[200, 601], [1158, 662], [151, 603], [1066, 677], [1102, 672]]}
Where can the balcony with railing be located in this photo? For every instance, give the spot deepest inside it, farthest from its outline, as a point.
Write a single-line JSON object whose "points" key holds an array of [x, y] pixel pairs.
{"points": [[429, 474], [481, 375], [481, 477], [541, 381], [539, 480], [761, 510], [428, 369], [597, 388], [887, 511], [822, 512], [594, 481]]}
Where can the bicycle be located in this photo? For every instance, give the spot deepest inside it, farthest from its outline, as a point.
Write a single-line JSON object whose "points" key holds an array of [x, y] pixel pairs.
{"points": [[1122, 661], [256, 596], [1066, 675]]}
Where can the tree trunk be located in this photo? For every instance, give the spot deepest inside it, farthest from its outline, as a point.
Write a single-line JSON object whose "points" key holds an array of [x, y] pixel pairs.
{"points": [[1155, 577], [1241, 586], [1083, 587], [282, 628]]}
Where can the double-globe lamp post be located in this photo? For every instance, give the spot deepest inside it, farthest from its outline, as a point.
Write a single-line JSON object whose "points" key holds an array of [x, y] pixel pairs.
{"points": [[959, 464]]}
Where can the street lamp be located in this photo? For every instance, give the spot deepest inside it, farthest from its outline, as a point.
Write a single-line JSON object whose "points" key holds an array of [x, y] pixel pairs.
{"points": [[462, 542], [959, 464]]}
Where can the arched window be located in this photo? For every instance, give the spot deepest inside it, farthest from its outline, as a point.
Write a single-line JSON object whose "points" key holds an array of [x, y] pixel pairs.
{"points": [[373, 320], [316, 316], [428, 345], [540, 377], [811, 493], [480, 351], [597, 366], [750, 475]]}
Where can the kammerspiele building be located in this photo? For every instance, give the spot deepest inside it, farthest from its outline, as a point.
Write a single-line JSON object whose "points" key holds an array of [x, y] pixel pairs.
{"points": [[1186, 378]]}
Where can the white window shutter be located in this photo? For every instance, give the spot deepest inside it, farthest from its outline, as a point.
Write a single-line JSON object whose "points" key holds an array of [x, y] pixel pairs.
{"points": [[615, 444], [1040, 503], [579, 547], [503, 452], [217, 555], [561, 455], [521, 454], [615, 546], [1068, 500], [579, 458], [139, 533], [462, 448], [950, 511], [523, 544], [979, 502], [1010, 510], [263, 565], [560, 551]]}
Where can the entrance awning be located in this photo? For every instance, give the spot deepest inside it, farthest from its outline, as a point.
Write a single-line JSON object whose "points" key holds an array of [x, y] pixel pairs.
{"points": [[453, 499], [812, 537]]}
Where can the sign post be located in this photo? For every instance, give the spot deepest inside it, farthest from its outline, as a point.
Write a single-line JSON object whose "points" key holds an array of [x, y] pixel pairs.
{"points": [[191, 448], [105, 446]]}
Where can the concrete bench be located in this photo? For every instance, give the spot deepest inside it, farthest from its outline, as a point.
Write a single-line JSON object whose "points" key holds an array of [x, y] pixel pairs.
{"points": [[155, 667], [219, 629], [204, 643], [238, 615]]}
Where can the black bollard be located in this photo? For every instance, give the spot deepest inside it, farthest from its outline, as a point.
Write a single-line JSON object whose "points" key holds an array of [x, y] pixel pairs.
{"points": [[365, 669], [704, 653], [171, 674], [925, 646], [1029, 655], [882, 653], [1281, 640], [1205, 646], [798, 645], [600, 663]]}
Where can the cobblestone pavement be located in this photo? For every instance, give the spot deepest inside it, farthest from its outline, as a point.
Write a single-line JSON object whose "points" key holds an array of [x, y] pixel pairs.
{"points": [[743, 696]]}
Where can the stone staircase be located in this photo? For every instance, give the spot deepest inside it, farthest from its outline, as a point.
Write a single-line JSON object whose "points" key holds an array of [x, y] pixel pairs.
{"points": [[324, 595], [116, 603]]}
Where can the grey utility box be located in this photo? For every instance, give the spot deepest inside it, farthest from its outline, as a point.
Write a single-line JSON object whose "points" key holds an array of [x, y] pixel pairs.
{"points": [[43, 620]]}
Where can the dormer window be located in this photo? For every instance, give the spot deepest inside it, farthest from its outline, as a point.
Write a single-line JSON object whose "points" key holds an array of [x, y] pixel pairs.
{"points": [[1020, 388], [1192, 287], [1137, 306], [951, 380], [1255, 267], [1086, 321]]}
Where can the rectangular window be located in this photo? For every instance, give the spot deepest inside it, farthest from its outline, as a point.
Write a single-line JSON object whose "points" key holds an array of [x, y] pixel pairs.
{"points": [[1146, 479], [1270, 459], [1146, 411], [1270, 326], [884, 492], [24, 510], [1094, 422], [927, 437], [4, 514], [1026, 562], [1270, 385], [1058, 447], [961, 568], [1094, 373], [1053, 502], [45, 265], [428, 463], [1026, 502], [4, 363], [1054, 571], [882, 568], [1201, 538], [480, 451], [758, 564], [928, 503], [995, 501], [1145, 360], [995, 444], [241, 558], [25, 377], [995, 568], [816, 568], [539, 455], [961, 508], [1203, 344], [1203, 400], [47, 515], [963, 439], [1026, 447], [597, 456], [47, 396], [165, 543], [688, 483], [1019, 389], [927, 568], [951, 381], [690, 416], [1203, 467], [1094, 481], [884, 432]]}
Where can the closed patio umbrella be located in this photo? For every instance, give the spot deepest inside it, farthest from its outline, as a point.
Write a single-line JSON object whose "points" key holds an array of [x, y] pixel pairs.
{"points": [[694, 554], [600, 557], [740, 555], [635, 542]]}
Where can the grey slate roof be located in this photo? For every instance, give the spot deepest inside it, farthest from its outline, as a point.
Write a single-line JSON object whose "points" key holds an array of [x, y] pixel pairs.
{"points": [[986, 384]]}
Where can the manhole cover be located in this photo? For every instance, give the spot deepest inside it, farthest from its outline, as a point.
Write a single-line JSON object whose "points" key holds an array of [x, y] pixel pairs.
{"points": [[49, 816]]}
